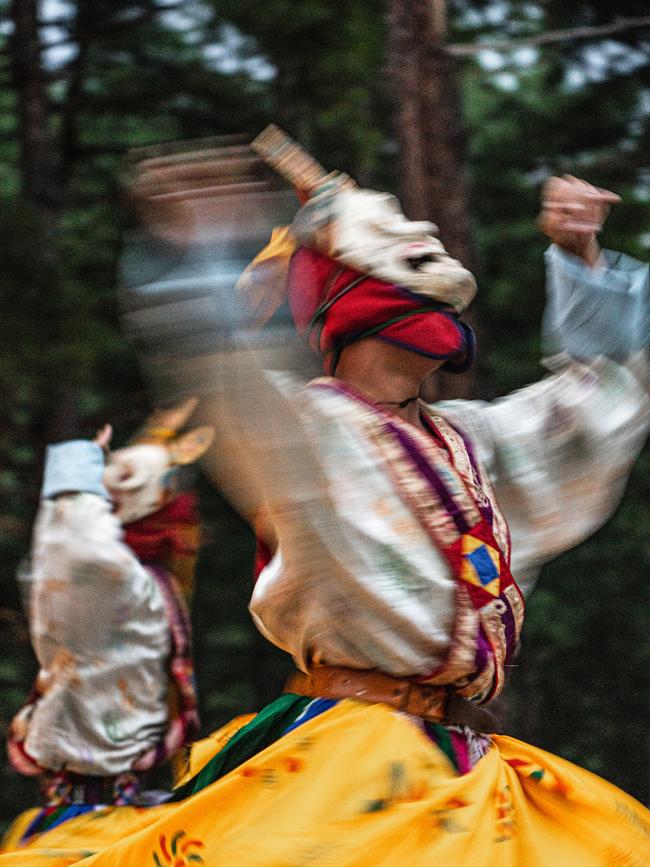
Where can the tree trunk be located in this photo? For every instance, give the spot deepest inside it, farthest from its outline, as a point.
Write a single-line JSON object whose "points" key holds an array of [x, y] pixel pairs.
{"points": [[428, 119], [429, 122], [37, 151], [40, 165]]}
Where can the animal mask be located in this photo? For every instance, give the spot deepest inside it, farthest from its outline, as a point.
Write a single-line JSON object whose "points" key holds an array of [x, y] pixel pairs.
{"points": [[353, 266], [146, 475], [368, 232], [364, 230]]}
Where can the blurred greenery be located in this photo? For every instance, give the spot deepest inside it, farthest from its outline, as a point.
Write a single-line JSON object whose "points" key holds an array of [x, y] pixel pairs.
{"points": [[120, 74]]}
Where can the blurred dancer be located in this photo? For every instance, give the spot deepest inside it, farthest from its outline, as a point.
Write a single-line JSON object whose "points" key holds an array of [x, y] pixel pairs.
{"points": [[111, 572], [387, 526]]}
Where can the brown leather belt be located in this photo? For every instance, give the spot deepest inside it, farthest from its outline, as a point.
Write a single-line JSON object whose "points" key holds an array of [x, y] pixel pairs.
{"points": [[434, 703]]}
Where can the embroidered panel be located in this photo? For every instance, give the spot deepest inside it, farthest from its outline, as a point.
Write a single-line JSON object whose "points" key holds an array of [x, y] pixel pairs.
{"points": [[453, 500]]}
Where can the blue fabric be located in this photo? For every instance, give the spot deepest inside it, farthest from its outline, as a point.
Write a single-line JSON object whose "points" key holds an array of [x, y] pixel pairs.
{"points": [[181, 299], [59, 816], [595, 311], [483, 565], [74, 466], [314, 708]]}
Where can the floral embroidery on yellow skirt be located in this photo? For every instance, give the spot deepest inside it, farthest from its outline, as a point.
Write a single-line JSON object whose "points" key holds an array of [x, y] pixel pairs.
{"points": [[363, 785]]}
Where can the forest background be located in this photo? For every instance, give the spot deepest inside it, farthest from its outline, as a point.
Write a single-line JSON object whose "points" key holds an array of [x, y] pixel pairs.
{"points": [[504, 97]]}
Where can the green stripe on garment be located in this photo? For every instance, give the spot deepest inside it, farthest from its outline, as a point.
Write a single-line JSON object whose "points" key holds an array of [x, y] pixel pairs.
{"points": [[444, 742], [263, 730], [49, 820]]}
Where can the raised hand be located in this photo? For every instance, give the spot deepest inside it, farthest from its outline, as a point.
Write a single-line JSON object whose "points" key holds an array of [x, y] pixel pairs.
{"points": [[103, 437], [573, 213]]}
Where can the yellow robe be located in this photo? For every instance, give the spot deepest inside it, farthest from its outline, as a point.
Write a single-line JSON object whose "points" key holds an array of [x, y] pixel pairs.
{"points": [[362, 785]]}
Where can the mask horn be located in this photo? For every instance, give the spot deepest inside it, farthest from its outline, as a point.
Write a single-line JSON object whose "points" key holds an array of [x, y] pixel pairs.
{"points": [[163, 425], [190, 446]]}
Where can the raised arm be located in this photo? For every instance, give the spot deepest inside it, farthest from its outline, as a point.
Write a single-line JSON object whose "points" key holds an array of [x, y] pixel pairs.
{"points": [[79, 559], [559, 451]]}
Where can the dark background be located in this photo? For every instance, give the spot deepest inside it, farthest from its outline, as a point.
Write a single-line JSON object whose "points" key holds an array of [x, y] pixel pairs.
{"points": [[81, 82]]}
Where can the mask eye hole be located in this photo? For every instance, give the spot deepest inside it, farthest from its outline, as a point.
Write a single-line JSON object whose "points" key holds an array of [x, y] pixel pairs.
{"points": [[416, 262], [122, 476], [125, 473]]}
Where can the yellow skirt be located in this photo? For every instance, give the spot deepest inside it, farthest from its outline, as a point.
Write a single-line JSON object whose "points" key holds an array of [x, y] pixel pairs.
{"points": [[362, 785]]}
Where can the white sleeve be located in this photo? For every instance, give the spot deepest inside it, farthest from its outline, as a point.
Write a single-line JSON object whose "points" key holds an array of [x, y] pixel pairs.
{"points": [[78, 556], [592, 311], [558, 453], [79, 564]]}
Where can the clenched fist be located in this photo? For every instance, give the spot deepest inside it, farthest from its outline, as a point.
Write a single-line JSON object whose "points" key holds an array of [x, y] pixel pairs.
{"points": [[573, 213]]}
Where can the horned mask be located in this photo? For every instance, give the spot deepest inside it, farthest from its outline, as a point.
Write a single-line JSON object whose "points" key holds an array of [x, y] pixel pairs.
{"points": [[147, 474]]}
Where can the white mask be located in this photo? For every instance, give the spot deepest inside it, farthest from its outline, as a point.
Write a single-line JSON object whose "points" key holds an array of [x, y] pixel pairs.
{"points": [[138, 480], [368, 231], [144, 477]]}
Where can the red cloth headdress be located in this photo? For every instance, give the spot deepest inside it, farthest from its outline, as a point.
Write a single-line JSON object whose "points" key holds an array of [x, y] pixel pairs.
{"points": [[353, 267], [335, 306]]}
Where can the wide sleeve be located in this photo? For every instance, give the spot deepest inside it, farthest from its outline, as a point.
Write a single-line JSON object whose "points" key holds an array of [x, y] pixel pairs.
{"points": [[559, 452], [79, 561], [99, 629]]}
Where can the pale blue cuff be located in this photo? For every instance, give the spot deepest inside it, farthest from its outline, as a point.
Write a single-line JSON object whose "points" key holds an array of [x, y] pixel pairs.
{"points": [[74, 466], [602, 310], [182, 302]]}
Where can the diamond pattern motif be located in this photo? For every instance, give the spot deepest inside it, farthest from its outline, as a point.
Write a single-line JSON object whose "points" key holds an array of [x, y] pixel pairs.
{"points": [[480, 564]]}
